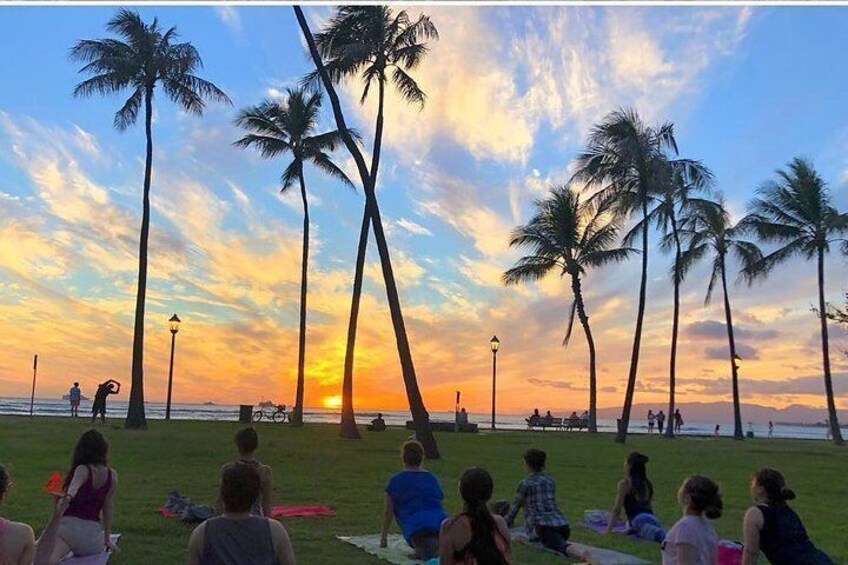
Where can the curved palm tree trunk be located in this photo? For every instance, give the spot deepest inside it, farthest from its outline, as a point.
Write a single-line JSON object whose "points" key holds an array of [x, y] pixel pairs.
{"points": [[737, 409], [416, 403], [675, 326], [348, 428], [135, 412], [590, 341], [297, 413], [832, 416], [624, 422]]}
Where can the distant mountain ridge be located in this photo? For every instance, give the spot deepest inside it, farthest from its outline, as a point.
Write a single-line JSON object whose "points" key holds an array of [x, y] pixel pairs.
{"points": [[723, 412]]}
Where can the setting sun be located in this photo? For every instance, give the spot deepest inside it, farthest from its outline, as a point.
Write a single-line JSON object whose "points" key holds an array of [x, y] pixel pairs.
{"points": [[332, 401]]}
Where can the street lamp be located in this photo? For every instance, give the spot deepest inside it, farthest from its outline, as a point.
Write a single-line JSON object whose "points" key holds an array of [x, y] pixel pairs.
{"points": [[495, 346], [174, 325]]}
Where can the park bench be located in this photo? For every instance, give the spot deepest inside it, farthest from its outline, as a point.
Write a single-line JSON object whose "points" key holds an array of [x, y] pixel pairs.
{"points": [[437, 426], [544, 423], [576, 423]]}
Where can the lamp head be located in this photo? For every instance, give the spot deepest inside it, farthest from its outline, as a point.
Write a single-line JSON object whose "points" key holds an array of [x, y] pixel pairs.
{"points": [[496, 343], [174, 324]]}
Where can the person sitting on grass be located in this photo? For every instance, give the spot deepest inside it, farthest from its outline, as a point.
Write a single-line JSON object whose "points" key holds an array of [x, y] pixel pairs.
{"points": [[635, 494], [378, 424], [536, 493], [238, 537], [247, 442], [773, 528], [475, 537], [91, 483], [414, 499], [17, 542], [692, 540]]}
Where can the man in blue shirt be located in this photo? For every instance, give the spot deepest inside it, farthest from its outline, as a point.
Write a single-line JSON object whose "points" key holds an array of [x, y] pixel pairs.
{"points": [[536, 493], [414, 498]]}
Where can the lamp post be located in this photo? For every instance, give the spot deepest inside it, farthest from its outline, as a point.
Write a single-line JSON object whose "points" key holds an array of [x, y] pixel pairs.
{"points": [[495, 345], [737, 361], [174, 324]]}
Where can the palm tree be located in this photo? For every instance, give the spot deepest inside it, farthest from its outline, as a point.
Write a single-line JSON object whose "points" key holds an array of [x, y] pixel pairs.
{"points": [[372, 215], [673, 205], [710, 231], [144, 56], [377, 45], [569, 236], [795, 211], [629, 162], [288, 127]]}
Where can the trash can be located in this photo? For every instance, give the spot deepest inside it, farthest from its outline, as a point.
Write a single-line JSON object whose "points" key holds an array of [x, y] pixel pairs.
{"points": [[245, 413]]}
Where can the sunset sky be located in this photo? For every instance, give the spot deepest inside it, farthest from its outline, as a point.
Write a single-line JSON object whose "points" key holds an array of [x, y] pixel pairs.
{"points": [[512, 92]]}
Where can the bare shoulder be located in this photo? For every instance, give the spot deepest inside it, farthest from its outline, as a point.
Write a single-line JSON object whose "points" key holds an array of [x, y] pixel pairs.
{"points": [[19, 530], [80, 472], [114, 474], [753, 516], [502, 526]]}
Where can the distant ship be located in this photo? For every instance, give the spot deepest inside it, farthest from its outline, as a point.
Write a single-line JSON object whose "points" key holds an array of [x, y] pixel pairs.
{"points": [[210, 403], [68, 397], [267, 403]]}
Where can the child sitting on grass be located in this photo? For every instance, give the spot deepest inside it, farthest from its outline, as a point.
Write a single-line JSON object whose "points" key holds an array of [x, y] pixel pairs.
{"points": [[543, 520]]}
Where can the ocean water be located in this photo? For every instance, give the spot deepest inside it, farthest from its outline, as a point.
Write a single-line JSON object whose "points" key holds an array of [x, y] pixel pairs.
{"points": [[117, 409]]}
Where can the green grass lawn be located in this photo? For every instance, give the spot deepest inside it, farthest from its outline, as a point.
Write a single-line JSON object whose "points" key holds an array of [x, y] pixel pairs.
{"points": [[312, 465]]}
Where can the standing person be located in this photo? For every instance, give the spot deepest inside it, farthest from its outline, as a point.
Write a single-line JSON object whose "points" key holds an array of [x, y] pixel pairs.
{"points": [[771, 429], [463, 416], [635, 495], [91, 484], [247, 442], [74, 396], [716, 431], [773, 528], [678, 421], [474, 537], [651, 419], [536, 493], [104, 389], [660, 421], [238, 537], [414, 499], [692, 540]]}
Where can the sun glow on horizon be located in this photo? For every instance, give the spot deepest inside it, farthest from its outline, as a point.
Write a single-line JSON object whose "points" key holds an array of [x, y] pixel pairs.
{"points": [[332, 401]]}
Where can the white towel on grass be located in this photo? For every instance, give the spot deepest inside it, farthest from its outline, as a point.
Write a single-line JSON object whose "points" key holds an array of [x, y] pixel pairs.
{"points": [[397, 551], [97, 559]]}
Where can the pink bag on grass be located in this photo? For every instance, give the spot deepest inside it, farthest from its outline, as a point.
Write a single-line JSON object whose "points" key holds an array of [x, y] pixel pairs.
{"points": [[729, 553]]}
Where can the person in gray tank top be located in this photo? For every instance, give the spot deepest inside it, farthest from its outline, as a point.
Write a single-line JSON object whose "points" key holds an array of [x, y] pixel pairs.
{"points": [[237, 537]]}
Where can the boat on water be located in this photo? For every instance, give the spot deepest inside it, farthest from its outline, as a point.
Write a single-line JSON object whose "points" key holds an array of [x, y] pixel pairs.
{"points": [[68, 397], [267, 404], [210, 403]]}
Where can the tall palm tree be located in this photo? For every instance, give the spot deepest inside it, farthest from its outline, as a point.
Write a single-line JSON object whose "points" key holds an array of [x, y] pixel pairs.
{"points": [[568, 236], [377, 45], [142, 57], [288, 127], [795, 211], [711, 232], [372, 215], [672, 210], [629, 163]]}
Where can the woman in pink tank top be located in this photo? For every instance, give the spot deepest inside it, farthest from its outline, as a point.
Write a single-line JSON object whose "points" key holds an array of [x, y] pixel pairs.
{"points": [[90, 483]]}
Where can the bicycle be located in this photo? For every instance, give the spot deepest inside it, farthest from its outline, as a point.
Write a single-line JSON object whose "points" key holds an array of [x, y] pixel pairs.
{"points": [[278, 415]]}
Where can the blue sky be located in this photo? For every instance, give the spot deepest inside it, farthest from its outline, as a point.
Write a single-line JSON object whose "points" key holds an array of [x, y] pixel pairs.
{"points": [[512, 92]]}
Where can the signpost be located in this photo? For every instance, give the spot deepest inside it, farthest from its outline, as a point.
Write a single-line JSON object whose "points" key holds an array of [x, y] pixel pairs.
{"points": [[34, 373]]}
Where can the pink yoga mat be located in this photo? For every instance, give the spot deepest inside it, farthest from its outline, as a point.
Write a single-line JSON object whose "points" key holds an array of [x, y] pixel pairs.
{"points": [[295, 511]]}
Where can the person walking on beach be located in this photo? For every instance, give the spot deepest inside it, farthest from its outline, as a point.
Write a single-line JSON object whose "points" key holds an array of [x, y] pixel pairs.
{"points": [[74, 396], [771, 429], [651, 419], [536, 493], [660, 421], [678, 421], [99, 406]]}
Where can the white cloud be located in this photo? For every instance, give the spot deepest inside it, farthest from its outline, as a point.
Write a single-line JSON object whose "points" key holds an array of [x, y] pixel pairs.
{"points": [[413, 228], [230, 16]]}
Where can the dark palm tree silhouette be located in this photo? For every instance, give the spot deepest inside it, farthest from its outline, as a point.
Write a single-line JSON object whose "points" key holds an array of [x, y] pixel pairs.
{"points": [[372, 215], [377, 45], [287, 127], [568, 236], [795, 211], [629, 163], [144, 56], [671, 212], [711, 232]]}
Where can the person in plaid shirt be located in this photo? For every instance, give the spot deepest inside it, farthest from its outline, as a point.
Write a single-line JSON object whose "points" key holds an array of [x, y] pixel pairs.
{"points": [[537, 494]]}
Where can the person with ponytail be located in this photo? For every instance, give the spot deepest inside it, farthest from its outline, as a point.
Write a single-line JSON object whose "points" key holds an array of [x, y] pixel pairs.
{"points": [[474, 537], [693, 539], [773, 528], [635, 494]]}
